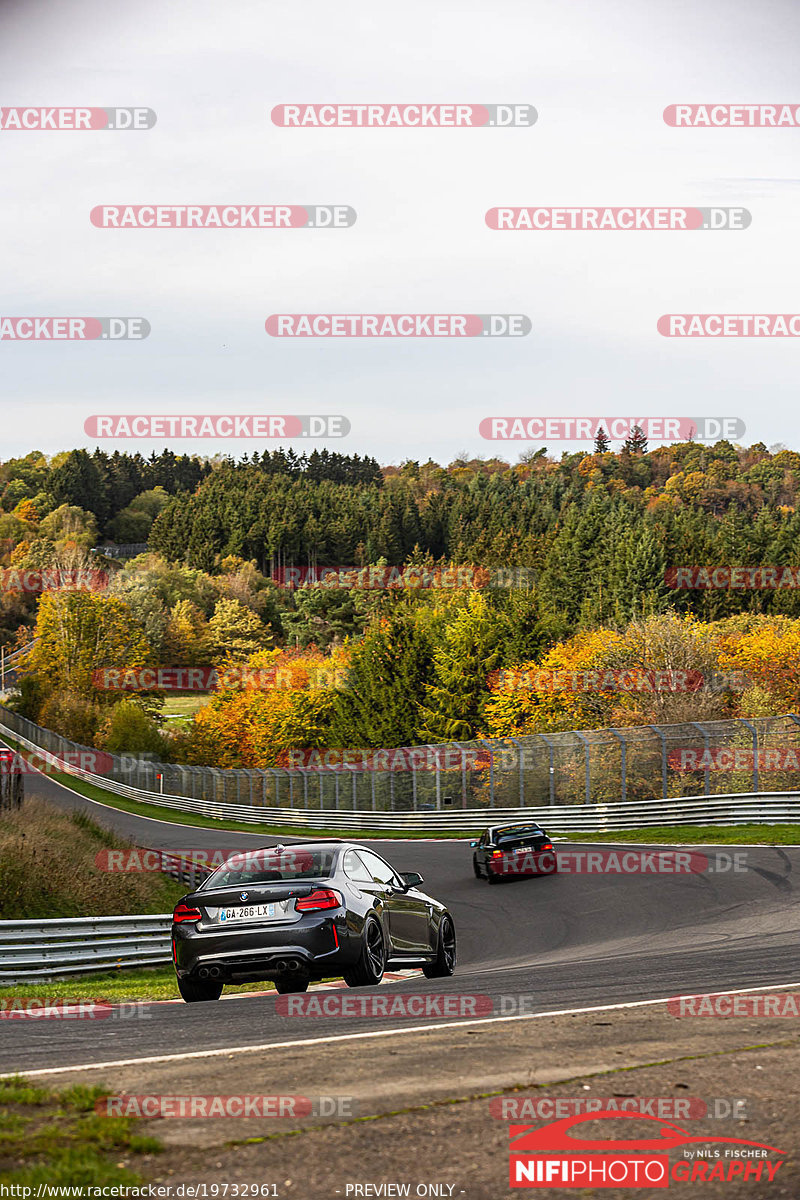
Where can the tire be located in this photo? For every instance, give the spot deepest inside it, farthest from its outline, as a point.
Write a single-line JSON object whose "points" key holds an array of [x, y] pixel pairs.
{"points": [[475, 868], [291, 983], [445, 961], [195, 990], [368, 971]]}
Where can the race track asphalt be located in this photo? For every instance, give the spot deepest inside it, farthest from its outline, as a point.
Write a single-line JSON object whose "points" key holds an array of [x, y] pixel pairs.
{"points": [[569, 941]]}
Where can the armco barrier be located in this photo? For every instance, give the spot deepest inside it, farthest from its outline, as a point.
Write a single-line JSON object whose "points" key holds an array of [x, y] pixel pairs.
{"points": [[735, 809], [31, 950], [308, 811]]}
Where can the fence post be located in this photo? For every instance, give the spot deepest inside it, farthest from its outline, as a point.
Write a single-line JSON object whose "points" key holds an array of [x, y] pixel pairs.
{"points": [[663, 736], [706, 775], [438, 778], [623, 765], [549, 745], [754, 732], [514, 742], [587, 766]]}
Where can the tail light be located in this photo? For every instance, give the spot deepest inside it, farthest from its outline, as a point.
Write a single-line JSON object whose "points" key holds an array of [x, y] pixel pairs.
{"points": [[497, 854], [547, 845], [322, 898], [184, 913]]}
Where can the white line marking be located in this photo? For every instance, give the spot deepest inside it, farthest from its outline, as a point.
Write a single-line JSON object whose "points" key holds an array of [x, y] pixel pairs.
{"points": [[377, 1033]]}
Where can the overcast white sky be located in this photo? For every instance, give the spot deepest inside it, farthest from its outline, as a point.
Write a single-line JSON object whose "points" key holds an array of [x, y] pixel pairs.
{"points": [[599, 72]]}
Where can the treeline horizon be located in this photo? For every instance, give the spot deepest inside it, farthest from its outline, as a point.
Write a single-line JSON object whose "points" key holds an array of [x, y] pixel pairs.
{"points": [[598, 530]]}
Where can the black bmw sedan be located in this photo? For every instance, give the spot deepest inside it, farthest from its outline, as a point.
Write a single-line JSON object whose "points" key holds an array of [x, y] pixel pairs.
{"points": [[508, 850], [304, 912]]}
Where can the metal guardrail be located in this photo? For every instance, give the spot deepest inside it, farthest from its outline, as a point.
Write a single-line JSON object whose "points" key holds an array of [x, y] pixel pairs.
{"points": [[578, 767], [31, 950], [729, 809], [324, 811], [8, 665]]}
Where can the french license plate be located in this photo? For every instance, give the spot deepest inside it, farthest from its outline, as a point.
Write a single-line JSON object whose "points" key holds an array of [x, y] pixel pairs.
{"points": [[524, 850], [250, 912]]}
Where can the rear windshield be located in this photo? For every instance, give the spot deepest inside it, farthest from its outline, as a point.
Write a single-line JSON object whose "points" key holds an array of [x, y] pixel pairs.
{"points": [[273, 866], [518, 832]]}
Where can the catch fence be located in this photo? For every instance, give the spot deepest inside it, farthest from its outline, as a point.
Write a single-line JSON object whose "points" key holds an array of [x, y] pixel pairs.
{"points": [[441, 784]]}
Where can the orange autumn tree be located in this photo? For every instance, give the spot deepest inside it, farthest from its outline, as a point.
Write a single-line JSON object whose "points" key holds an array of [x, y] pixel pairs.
{"points": [[546, 694], [766, 650], [290, 707], [660, 669]]}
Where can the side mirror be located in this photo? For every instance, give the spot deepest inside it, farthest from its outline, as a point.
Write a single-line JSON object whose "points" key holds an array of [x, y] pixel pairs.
{"points": [[410, 880], [473, 844]]}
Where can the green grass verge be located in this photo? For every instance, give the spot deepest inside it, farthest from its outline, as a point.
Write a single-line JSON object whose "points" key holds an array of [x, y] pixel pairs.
{"points": [[727, 835], [49, 1137], [178, 710], [117, 987]]}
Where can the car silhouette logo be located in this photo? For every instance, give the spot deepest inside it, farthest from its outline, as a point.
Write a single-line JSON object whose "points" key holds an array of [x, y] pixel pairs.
{"points": [[555, 1136], [243, 895]]}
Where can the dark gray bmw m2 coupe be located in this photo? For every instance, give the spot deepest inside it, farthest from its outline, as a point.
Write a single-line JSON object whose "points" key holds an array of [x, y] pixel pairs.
{"points": [[303, 912]]}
